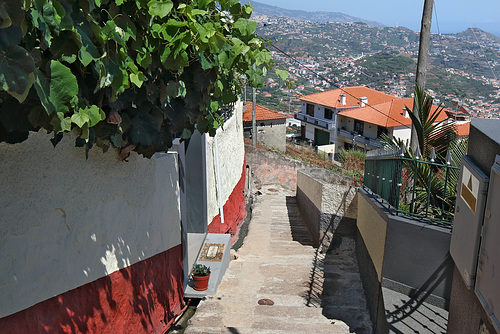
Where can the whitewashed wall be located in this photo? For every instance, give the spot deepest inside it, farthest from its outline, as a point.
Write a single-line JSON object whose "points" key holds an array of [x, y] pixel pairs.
{"points": [[66, 221], [403, 133], [231, 158]]}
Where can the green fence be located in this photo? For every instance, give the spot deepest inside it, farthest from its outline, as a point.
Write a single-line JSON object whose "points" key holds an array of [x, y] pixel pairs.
{"points": [[413, 187]]}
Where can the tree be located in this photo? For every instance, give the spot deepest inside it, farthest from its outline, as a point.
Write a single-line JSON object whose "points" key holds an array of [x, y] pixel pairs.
{"points": [[130, 74]]}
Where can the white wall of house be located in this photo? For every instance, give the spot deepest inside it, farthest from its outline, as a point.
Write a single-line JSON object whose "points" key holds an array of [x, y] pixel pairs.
{"points": [[66, 221], [370, 130], [310, 131], [231, 158], [402, 132]]}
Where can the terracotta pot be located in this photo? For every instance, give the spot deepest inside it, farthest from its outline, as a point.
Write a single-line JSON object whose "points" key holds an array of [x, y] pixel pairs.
{"points": [[200, 283]]}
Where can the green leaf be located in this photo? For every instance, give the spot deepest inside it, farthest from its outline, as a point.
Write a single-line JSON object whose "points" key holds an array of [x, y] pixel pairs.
{"points": [[67, 43], [80, 118], [137, 78], [144, 129], [16, 71], [160, 8], [96, 114], [63, 86], [61, 123], [282, 74], [42, 87], [88, 51]]}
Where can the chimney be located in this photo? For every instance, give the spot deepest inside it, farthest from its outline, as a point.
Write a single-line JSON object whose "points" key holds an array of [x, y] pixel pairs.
{"points": [[342, 99], [405, 113], [363, 101]]}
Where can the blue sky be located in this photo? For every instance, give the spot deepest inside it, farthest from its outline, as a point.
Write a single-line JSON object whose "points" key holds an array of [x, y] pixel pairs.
{"points": [[484, 14]]}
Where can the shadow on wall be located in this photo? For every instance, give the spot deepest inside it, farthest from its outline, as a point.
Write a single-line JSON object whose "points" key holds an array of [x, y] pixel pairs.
{"points": [[142, 297], [101, 235], [414, 307]]}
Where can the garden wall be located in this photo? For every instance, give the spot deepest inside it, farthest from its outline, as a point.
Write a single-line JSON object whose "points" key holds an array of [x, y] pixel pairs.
{"points": [[88, 245]]}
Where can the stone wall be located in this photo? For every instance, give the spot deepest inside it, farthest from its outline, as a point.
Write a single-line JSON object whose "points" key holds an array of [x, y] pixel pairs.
{"points": [[272, 168]]}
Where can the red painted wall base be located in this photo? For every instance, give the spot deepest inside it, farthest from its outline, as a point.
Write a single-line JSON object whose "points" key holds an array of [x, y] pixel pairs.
{"points": [[234, 211], [139, 299]]}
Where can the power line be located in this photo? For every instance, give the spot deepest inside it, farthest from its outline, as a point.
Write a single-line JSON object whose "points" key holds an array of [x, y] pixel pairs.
{"points": [[332, 83], [477, 41]]}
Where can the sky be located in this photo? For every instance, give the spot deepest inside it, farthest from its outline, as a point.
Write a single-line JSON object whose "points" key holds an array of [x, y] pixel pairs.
{"points": [[451, 16]]}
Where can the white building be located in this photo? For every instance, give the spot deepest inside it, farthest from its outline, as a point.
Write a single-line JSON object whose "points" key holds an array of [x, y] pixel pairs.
{"points": [[354, 117]]}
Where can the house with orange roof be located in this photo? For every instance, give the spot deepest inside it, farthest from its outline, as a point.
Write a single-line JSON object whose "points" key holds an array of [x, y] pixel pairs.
{"points": [[355, 118], [271, 126]]}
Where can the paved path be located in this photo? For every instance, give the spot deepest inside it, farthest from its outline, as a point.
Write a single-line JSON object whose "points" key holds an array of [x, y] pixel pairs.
{"points": [[310, 291]]}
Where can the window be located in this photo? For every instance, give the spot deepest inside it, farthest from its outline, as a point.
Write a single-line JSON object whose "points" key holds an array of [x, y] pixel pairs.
{"points": [[358, 126], [381, 130], [310, 109], [328, 113]]}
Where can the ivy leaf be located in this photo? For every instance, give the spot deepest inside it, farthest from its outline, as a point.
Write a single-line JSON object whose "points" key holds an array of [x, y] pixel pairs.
{"points": [[42, 88], [282, 74], [67, 43], [63, 86], [176, 89], [88, 51], [61, 123], [16, 71], [160, 8], [144, 129], [95, 114], [80, 118], [10, 36], [137, 78]]}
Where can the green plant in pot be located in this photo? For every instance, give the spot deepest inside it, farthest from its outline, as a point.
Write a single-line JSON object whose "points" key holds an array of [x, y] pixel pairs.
{"points": [[200, 275]]}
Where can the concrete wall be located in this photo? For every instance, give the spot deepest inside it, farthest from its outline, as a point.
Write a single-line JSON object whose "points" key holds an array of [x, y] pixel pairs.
{"points": [[325, 199], [232, 176], [401, 254], [95, 227], [372, 226], [273, 135]]}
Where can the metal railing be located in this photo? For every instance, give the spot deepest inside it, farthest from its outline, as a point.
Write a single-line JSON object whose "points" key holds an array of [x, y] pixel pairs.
{"points": [[414, 187], [323, 123], [227, 111]]}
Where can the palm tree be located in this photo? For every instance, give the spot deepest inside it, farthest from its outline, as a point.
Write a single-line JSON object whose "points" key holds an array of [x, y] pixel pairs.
{"points": [[430, 188]]}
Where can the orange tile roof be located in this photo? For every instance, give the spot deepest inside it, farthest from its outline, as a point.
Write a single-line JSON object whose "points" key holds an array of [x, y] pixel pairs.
{"points": [[331, 98], [261, 113], [463, 129], [388, 114]]}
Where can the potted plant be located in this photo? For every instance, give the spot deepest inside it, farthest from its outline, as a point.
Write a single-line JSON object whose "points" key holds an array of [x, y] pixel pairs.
{"points": [[200, 275]]}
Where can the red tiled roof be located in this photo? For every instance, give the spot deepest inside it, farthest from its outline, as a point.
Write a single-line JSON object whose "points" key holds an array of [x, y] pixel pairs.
{"points": [[261, 113], [331, 98], [388, 114], [463, 129]]}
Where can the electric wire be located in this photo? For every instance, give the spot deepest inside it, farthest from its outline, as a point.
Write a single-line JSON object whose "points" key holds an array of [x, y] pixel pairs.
{"points": [[331, 82], [477, 41]]}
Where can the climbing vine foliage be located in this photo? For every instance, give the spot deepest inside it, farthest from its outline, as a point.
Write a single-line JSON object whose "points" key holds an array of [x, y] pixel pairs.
{"points": [[130, 74]]}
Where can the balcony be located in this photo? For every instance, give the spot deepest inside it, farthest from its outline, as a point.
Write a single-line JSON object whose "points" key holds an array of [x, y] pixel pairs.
{"points": [[359, 139], [322, 123]]}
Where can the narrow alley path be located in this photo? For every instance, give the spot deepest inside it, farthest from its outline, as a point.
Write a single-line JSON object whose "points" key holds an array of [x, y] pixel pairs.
{"points": [[277, 265]]}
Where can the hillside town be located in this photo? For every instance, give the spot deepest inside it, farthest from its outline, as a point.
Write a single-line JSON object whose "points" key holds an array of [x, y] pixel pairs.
{"points": [[337, 59]]}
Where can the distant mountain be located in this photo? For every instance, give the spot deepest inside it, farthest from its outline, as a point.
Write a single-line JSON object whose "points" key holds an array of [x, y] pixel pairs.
{"points": [[301, 15], [482, 36]]}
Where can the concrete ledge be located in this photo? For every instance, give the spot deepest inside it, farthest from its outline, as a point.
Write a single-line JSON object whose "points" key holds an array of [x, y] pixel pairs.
{"points": [[217, 268]]}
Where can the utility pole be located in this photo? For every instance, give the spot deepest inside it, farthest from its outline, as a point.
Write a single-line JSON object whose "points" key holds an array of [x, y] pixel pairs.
{"points": [[425, 33], [254, 121]]}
